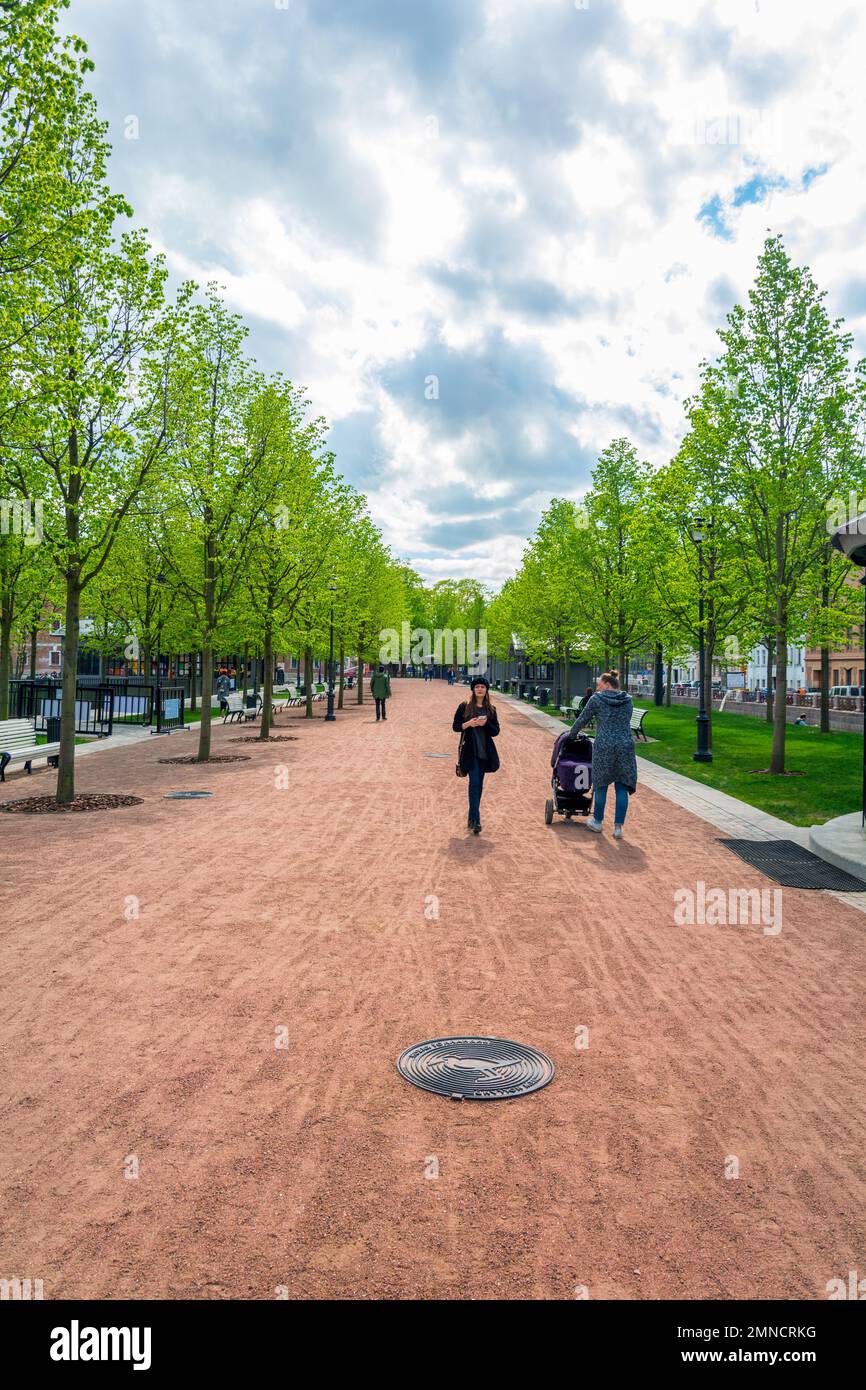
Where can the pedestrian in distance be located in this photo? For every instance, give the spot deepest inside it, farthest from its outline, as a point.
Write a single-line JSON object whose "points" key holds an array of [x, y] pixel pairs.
{"points": [[477, 724], [223, 686], [585, 698], [380, 687], [613, 758]]}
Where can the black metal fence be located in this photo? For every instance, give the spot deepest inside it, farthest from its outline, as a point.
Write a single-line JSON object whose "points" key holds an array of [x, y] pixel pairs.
{"points": [[170, 701], [133, 701], [41, 700]]}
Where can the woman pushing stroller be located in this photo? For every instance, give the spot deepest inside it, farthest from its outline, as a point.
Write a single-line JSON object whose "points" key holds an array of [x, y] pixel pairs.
{"points": [[613, 758]]}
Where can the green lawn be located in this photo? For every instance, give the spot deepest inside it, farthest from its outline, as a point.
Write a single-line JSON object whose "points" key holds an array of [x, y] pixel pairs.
{"points": [[832, 763]]}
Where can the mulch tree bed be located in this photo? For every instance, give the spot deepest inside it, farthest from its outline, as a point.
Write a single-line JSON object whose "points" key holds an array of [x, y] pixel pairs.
{"points": [[192, 761], [767, 772], [274, 738], [46, 805]]}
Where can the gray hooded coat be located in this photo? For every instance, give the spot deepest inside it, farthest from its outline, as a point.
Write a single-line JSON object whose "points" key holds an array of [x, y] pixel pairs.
{"points": [[613, 758]]}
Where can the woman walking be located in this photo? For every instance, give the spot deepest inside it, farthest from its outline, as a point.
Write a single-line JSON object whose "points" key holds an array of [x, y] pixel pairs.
{"points": [[613, 758], [477, 724]]}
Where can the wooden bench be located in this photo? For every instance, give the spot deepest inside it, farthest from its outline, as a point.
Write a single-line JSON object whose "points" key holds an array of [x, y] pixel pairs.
{"points": [[637, 718], [18, 744], [541, 697]]}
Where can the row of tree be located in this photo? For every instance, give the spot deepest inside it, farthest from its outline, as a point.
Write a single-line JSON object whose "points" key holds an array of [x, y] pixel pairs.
{"points": [[772, 453], [153, 479]]}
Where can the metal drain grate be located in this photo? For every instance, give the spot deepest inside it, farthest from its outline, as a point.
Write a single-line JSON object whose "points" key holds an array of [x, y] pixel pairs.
{"points": [[185, 796], [790, 864], [476, 1068]]}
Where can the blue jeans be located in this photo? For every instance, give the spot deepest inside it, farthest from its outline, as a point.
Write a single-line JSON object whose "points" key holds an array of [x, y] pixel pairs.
{"points": [[476, 787], [621, 809]]}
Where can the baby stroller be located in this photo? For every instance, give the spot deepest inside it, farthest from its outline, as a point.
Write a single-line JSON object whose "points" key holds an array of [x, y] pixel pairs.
{"points": [[571, 761]]}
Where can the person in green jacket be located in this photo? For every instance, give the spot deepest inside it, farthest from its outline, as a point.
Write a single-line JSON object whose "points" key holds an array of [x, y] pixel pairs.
{"points": [[380, 687]]}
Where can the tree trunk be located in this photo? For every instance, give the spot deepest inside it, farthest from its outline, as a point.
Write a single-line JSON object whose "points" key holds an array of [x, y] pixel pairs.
{"points": [[207, 649], [34, 636], [769, 709], [342, 675], [66, 766], [308, 681], [5, 657], [709, 648], [268, 691], [669, 684], [206, 693], [7, 614], [824, 720], [780, 719], [360, 697], [193, 664]]}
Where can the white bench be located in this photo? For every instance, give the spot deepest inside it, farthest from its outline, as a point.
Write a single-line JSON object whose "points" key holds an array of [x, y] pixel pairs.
{"points": [[18, 744], [236, 709], [637, 718]]}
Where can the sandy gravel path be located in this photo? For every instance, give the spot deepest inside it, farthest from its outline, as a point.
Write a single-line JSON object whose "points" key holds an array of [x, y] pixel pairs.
{"points": [[302, 907]]}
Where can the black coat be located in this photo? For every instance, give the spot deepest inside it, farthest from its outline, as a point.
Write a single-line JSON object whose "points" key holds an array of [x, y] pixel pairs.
{"points": [[467, 747]]}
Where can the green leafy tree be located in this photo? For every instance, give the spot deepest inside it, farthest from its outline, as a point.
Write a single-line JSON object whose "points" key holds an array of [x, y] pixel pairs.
{"points": [[789, 398], [224, 471], [84, 437]]}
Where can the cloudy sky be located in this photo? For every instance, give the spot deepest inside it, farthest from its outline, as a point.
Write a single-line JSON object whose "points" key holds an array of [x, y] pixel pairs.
{"points": [[488, 236]]}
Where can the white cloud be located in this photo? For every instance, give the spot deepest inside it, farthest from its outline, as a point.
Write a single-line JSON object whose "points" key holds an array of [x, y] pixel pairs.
{"points": [[530, 185]]}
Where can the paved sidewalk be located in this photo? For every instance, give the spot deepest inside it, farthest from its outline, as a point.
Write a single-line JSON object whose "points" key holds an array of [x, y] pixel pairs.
{"points": [[737, 819], [220, 988]]}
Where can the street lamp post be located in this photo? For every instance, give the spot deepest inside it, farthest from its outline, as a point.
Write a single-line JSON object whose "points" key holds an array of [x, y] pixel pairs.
{"points": [[330, 716], [698, 534]]}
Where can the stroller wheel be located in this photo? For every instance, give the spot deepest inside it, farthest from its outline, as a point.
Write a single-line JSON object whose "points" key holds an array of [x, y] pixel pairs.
{"points": [[548, 813]]}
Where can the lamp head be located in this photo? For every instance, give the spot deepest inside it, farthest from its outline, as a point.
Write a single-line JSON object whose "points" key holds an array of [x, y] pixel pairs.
{"points": [[850, 539]]}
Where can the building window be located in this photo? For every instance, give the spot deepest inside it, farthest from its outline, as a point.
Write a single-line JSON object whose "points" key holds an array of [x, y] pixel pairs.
{"points": [[55, 658]]}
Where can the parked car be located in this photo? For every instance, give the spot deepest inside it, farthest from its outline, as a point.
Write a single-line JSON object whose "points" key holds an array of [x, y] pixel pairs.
{"points": [[847, 691]]}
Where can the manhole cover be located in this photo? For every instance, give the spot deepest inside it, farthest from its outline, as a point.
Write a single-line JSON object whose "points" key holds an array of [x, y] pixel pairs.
{"points": [[475, 1068], [185, 796]]}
